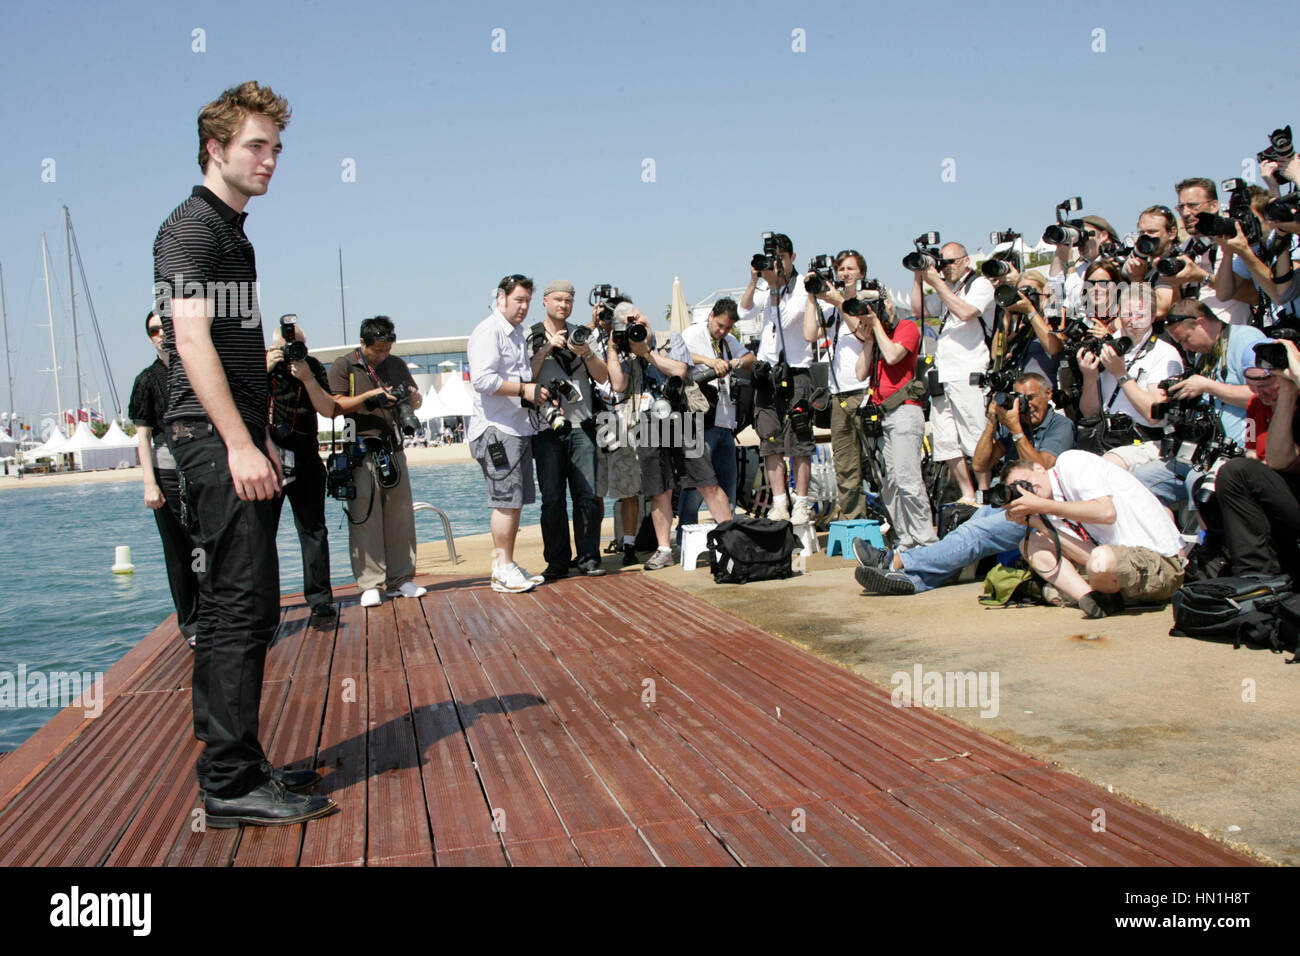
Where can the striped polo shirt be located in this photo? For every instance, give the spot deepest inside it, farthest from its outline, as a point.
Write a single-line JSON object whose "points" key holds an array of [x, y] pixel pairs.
{"points": [[201, 252]]}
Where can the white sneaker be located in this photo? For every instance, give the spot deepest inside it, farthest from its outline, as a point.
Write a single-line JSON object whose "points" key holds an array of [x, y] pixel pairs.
{"points": [[371, 598], [512, 579], [779, 512], [410, 589], [535, 578], [800, 514]]}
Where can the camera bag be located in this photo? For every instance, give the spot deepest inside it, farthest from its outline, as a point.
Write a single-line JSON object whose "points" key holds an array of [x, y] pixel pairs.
{"points": [[751, 549], [1249, 609]]}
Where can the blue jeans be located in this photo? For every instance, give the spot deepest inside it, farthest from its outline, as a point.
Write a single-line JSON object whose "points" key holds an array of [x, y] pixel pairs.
{"points": [[1169, 481], [985, 533], [720, 446], [570, 458]]}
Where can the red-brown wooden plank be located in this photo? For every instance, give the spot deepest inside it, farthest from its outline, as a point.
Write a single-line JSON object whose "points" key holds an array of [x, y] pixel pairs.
{"points": [[686, 843], [912, 837], [491, 855], [758, 839], [397, 822], [413, 633], [833, 836], [620, 847]]}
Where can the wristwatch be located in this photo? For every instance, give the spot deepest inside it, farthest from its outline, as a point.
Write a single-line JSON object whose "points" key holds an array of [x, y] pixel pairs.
{"points": [[1126, 377]]}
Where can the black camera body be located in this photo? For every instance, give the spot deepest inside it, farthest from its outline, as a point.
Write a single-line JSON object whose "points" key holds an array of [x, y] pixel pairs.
{"points": [[1007, 296], [769, 257], [1146, 247], [1066, 232], [292, 350], [867, 295], [1280, 148], [873, 419], [405, 414], [997, 380], [339, 483], [820, 275], [926, 254], [999, 496], [1239, 211], [1172, 263], [600, 296], [625, 334]]}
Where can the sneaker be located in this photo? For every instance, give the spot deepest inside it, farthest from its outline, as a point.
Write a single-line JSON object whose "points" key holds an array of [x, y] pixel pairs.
{"points": [[371, 598], [801, 514], [660, 559], [512, 579], [779, 512], [535, 578], [629, 555], [879, 581], [410, 590], [869, 556], [591, 567], [554, 573], [1097, 604]]}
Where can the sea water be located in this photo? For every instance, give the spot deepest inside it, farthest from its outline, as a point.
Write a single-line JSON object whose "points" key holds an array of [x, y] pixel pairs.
{"points": [[63, 610]]}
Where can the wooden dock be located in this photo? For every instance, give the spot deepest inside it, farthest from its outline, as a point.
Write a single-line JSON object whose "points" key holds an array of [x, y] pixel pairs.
{"points": [[608, 722]]}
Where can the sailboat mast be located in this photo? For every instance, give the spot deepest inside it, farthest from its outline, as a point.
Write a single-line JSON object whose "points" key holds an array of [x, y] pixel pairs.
{"points": [[49, 310], [343, 307], [72, 300], [8, 361]]}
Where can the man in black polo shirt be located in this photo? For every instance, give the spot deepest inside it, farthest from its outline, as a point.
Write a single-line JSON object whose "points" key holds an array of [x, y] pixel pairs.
{"points": [[381, 519], [216, 426], [161, 482], [299, 390]]}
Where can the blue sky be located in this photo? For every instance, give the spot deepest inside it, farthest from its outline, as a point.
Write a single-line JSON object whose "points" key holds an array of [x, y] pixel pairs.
{"points": [[471, 164]]}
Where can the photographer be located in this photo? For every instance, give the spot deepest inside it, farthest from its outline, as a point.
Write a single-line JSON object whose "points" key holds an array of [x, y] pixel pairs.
{"points": [[1268, 265], [299, 390], [374, 389], [714, 349], [1196, 278], [1220, 355], [888, 362], [1157, 233], [618, 474], [1087, 513], [1260, 500], [1028, 429], [1066, 272], [783, 412], [1029, 342], [963, 300], [1123, 389], [665, 461], [567, 455], [846, 334]]}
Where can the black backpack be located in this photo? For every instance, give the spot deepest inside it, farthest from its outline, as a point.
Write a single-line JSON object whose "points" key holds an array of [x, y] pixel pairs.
{"points": [[751, 549], [1247, 609]]}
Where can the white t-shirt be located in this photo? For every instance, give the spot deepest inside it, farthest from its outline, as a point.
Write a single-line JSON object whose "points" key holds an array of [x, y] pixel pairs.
{"points": [[1140, 520], [700, 342], [1160, 363], [798, 350], [846, 349], [962, 349]]}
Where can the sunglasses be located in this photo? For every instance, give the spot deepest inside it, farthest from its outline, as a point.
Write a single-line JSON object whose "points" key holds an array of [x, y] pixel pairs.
{"points": [[1259, 377], [848, 252]]}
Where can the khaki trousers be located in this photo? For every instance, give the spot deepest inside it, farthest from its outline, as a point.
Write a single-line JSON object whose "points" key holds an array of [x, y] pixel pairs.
{"points": [[383, 546]]}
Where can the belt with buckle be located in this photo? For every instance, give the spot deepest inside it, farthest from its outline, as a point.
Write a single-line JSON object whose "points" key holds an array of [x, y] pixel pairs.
{"points": [[189, 429]]}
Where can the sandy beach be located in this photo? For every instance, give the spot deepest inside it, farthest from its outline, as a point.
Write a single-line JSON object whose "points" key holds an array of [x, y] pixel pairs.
{"points": [[442, 455]]}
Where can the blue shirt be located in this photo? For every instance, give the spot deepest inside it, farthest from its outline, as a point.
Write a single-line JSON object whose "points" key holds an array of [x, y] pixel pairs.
{"points": [[1054, 434], [1238, 355]]}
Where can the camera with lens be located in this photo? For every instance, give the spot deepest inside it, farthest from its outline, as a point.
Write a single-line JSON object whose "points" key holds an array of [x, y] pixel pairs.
{"points": [[927, 254], [768, 258], [339, 483], [1066, 232], [292, 350], [1280, 149], [820, 275], [999, 496], [867, 295], [997, 380], [1008, 295], [1209, 224], [1146, 247], [600, 296], [1272, 355], [1119, 251], [580, 335], [1174, 261], [406, 419], [553, 415], [624, 334], [873, 419]]}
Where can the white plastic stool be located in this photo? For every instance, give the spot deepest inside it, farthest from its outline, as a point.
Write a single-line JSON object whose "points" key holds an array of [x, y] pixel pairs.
{"points": [[694, 543], [807, 536]]}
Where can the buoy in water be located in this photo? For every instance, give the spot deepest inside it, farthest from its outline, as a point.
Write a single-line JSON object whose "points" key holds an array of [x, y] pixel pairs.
{"points": [[122, 560]]}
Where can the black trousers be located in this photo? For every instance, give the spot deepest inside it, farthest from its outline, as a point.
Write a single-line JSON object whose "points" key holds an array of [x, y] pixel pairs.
{"points": [[178, 553], [1261, 517], [239, 608], [306, 494]]}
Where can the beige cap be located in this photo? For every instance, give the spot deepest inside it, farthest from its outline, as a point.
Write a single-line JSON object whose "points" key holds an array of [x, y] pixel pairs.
{"points": [[558, 285]]}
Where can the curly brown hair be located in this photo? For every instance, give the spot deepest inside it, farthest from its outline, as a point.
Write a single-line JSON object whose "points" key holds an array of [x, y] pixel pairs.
{"points": [[222, 118]]}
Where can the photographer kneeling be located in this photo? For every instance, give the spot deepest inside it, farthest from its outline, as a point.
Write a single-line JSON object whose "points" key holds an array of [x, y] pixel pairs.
{"points": [[1025, 428], [1087, 513], [375, 391]]}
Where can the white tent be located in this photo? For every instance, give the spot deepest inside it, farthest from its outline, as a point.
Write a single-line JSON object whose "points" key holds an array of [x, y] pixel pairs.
{"points": [[456, 398], [91, 454], [52, 446], [116, 438], [7, 443], [432, 408]]}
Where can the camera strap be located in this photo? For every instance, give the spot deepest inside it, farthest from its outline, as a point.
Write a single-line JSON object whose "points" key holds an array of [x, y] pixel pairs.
{"points": [[1147, 346], [392, 425]]}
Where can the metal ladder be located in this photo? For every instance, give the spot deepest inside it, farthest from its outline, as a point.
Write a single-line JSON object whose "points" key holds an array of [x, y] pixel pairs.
{"points": [[446, 527]]}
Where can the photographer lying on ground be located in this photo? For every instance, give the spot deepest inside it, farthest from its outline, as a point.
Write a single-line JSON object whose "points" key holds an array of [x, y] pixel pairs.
{"points": [[1025, 428], [1087, 513]]}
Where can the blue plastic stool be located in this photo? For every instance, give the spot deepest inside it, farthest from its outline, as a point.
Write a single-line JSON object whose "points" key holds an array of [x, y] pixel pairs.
{"points": [[842, 534]]}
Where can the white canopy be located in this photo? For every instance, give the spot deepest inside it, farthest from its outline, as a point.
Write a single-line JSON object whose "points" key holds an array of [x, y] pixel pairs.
{"points": [[456, 398], [53, 445], [116, 438], [433, 407], [91, 453]]}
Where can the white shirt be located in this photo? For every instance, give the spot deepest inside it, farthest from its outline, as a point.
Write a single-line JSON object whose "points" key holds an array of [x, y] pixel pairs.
{"points": [[1232, 312], [798, 351], [498, 353], [1160, 363], [1140, 520], [1068, 287], [846, 349], [700, 342], [962, 349]]}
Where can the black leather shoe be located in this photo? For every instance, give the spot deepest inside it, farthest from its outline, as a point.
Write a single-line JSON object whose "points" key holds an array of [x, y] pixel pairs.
{"points": [[629, 556], [555, 573], [591, 568], [269, 805], [296, 781], [323, 610]]}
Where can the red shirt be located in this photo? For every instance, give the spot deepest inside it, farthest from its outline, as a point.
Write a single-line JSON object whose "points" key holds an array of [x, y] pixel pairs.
{"points": [[1258, 417], [890, 378]]}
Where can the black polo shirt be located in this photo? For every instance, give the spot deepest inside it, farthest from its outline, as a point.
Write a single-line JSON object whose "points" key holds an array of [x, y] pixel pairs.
{"points": [[348, 376], [291, 404], [201, 252]]}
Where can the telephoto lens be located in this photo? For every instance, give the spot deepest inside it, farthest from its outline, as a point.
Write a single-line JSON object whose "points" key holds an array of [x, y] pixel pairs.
{"points": [[995, 268], [580, 335], [636, 332], [1061, 235], [1146, 246]]}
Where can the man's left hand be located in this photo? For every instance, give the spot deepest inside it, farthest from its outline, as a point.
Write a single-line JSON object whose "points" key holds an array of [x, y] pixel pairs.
{"points": [[1193, 387], [1026, 506], [1009, 418]]}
